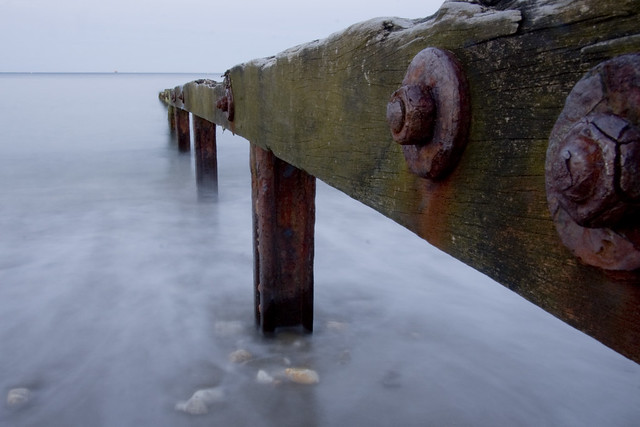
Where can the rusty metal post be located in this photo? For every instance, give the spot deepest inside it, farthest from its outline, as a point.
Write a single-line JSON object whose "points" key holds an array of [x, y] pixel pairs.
{"points": [[283, 201], [204, 142], [182, 126]]}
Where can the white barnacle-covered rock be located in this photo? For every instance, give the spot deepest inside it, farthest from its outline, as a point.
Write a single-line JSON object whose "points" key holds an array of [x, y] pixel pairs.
{"points": [[18, 397], [302, 375]]}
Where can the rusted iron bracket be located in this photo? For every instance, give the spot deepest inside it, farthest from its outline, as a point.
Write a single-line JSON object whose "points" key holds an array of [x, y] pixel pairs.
{"points": [[429, 115], [593, 166], [225, 103]]}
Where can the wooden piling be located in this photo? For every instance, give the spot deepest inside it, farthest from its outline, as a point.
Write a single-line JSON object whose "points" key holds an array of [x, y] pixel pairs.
{"points": [[171, 115], [182, 126], [204, 142], [283, 202]]}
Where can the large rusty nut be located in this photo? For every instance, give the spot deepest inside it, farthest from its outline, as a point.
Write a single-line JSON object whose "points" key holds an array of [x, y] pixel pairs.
{"points": [[430, 114], [411, 115], [596, 174], [592, 167]]}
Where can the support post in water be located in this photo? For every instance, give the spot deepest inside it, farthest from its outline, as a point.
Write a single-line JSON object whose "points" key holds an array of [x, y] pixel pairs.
{"points": [[171, 113], [182, 126], [204, 142], [283, 204]]}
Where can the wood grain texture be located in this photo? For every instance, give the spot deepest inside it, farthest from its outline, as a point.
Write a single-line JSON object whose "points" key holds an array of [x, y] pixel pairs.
{"points": [[321, 107]]}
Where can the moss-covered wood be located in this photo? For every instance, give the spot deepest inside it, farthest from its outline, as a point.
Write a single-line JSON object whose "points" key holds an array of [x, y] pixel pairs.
{"points": [[321, 107]]}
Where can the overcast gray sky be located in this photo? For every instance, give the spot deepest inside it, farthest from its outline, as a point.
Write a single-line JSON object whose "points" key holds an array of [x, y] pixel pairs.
{"points": [[173, 35]]}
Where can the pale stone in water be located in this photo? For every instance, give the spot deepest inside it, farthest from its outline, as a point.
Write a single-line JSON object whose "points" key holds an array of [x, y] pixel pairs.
{"points": [[193, 407], [209, 395], [198, 403], [263, 377], [240, 356], [18, 397], [302, 375]]}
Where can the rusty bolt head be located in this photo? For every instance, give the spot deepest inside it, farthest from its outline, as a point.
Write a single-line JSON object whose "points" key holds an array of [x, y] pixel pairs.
{"points": [[593, 166], [430, 114], [411, 114], [592, 179]]}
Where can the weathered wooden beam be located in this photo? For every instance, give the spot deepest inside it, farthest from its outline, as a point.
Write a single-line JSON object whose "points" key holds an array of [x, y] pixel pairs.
{"points": [[204, 141], [283, 200], [322, 108]]}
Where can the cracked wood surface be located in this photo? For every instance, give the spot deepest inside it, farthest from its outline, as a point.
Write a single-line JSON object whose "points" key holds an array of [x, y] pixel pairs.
{"points": [[321, 107]]}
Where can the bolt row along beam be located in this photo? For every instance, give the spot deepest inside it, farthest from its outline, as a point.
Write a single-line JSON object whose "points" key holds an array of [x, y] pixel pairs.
{"points": [[323, 108]]}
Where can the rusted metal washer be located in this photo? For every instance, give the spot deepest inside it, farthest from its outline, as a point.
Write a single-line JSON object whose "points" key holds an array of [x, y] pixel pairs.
{"points": [[592, 167], [430, 114]]}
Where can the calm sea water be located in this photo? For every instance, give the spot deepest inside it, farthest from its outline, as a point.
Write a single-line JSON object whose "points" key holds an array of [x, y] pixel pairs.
{"points": [[122, 293]]}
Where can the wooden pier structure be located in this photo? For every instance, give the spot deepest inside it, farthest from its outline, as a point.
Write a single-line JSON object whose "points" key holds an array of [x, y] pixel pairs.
{"points": [[504, 132]]}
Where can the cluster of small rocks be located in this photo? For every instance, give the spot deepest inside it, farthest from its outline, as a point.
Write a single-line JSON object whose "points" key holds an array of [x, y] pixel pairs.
{"points": [[292, 374], [270, 370], [279, 371]]}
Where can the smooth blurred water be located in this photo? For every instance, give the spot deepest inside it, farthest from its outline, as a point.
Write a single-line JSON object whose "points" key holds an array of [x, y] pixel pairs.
{"points": [[122, 293]]}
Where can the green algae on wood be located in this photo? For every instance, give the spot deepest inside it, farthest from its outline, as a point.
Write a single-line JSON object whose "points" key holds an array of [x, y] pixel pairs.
{"points": [[321, 107]]}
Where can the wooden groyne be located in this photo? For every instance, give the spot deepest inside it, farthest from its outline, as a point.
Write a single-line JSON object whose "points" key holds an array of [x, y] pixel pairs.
{"points": [[505, 133]]}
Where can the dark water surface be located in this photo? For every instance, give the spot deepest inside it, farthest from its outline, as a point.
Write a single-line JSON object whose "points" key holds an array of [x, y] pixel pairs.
{"points": [[121, 294]]}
